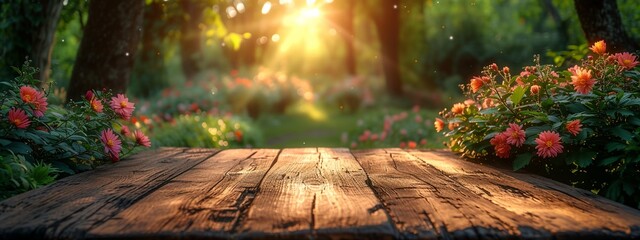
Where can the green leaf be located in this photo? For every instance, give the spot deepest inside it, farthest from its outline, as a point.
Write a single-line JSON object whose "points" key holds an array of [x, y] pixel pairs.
{"points": [[5, 142], [536, 130], [522, 160], [615, 146], [608, 161], [517, 95], [622, 133], [19, 148], [581, 158]]}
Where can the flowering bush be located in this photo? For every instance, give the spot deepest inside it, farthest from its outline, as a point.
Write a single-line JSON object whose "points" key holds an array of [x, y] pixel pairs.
{"points": [[210, 131], [580, 125], [403, 129], [39, 138]]}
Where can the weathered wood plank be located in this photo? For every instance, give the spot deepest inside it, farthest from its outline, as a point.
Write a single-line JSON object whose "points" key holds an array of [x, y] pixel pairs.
{"points": [[425, 203], [316, 193], [206, 201], [545, 204], [69, 207]]}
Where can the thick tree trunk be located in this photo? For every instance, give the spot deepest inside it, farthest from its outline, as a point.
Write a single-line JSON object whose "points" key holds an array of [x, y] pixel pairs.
{"points": [[43, 41], [106, 54], [388, 26], [31, 36], [190, 38], [600, 20]]}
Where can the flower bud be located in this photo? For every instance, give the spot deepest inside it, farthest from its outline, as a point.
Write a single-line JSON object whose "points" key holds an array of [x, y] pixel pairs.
{"points": [[88, 95]]}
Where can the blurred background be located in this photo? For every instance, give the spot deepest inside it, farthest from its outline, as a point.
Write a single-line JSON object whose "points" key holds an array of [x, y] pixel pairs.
{"points": [[294, 73]]}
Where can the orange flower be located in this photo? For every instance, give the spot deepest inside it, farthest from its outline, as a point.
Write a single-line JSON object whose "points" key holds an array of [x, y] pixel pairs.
{"points": [[574, 127], [487, 103], [458, 108], [626, 60], [438, 124], [535, 89], [453, 126], [515, 134], [28, 94], [549, 144], [500, 145], [412, 144], [18, 118], [599, 47], [96, 105], [476, 84], [582, 81]]}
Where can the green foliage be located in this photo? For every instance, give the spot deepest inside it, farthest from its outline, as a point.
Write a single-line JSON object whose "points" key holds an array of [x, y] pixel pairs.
{"points": [[580, 126], [208, 131], [394, 128], [18, 175]]}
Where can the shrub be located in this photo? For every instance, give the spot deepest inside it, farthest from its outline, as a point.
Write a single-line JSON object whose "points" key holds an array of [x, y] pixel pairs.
{"points": [[36, 138], [579, 125], [404, 129]]}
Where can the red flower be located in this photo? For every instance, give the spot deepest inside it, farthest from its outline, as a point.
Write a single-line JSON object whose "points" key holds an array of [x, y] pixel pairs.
{"points": [[33, 97], [89, 95], [574, 127], [238, 135], [515, 134], [626, 60], [500, 145], [403, 145], [438, 124], [96, 105], [112, 144], [582, 81], [412, 144], [599, 47], [18, 118], [122, 106], [141, 139], [423, 141], [549, 144]]}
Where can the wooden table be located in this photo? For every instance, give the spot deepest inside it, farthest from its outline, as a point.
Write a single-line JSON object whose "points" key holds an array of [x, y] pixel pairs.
{"points": [[309, 193]]}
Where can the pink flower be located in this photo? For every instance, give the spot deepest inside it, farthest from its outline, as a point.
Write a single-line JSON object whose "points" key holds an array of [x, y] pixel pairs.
{"points": [[574, 127], [423, 141], [626, 60], [18, 118], [403, 144], [403, 132], [141, 139], [122, 106], [500, 145], [124, 130], [515, 135], [28, 94], [374, 137], [112, 144], [599, 47], [505, 70], [438, 124], [582, 81], [96, 105], [494, 67], [549, 144]]}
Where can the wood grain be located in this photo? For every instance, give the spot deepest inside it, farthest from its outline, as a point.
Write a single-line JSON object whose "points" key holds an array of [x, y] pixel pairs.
{"points": [[310, 193], [547, 205], [206, 201], [69, 207], [425, 203]]}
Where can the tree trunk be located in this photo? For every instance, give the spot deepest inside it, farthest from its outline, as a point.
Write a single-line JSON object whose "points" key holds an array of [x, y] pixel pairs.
{"points": [[388, 25], [345, 12], [106, 54], [600, 20], [31, 36], [43, 42], [190, 47]]}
